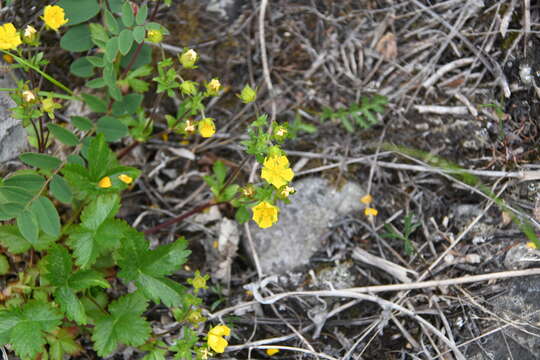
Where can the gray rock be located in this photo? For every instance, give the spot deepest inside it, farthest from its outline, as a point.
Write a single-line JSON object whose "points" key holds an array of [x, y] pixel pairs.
{"points": [[302, 223], [12, 134], [519, 305]]}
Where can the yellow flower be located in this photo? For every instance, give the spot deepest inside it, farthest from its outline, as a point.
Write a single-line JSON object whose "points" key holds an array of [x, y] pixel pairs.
{"points": [[154, 36], [271, 352], [198, 282], [265, 214], [28, 96], [188, 58], [215, 338], [366, 199], [126, 179], [370, 212], [48, 105], [276, 171], [531, 245], [207, 128], [213, 87], [53, 16], [9, 37], [105, 182]]}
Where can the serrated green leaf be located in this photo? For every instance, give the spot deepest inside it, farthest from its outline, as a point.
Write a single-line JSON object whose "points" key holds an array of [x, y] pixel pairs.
{"points": [[85, 279], [70, 304], [28, 226], [127, 14], [99, 210], [100, 157], [148, 268], [60, 189], [142, 14], [78, 11], [124, 325], [82, 123], [41, 161], [94, 103], [64, 135], [61, 342], [112, 128], [139, 33], [25, 328], [46, 215], [77, 39]]}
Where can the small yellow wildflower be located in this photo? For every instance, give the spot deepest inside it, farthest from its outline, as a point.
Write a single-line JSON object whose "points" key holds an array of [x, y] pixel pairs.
{"points": [[247, 95], [215, 338], [212, 88], [126, 179], [29, 34], [276, 170], [188, 58], [28, 96], [154, 36], [366, 199], [207, 128], [54, 17], [198, 282], [105, 182], [271, 352], [531, 245], [265, 214], [370, 212], [9, 37]]}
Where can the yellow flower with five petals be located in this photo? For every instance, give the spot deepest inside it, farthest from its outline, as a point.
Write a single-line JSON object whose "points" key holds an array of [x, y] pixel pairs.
{"points": [[265, 214], [9, 37], [54, 17], [276, 170], [215, 338]]}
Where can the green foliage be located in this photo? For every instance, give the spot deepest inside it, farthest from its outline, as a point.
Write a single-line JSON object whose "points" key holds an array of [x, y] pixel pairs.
{"points": [[362, 113], [408, 228], [123, 325]]}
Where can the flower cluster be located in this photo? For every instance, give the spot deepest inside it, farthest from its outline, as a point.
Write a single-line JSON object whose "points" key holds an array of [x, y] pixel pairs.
{"points": [[106, 181], [369, 211], [10, 38]]}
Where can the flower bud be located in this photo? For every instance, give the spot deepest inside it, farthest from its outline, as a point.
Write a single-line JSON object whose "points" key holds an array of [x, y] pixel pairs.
{"points": [[28, 96], [154, 36], [280, 133], [275, 151], [188, 87], [247, 95], [188, 59], [29, 35], [213, 87]]}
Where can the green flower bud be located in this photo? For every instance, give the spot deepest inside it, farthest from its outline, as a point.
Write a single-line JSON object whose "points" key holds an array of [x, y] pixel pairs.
{"points": [[247, 95], [188, 59], [188, 87], [154, 36]]}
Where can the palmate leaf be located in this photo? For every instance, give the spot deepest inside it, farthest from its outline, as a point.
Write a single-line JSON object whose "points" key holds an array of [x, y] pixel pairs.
{"points": [[60, 274], [124, 325], [25, 328], [98, 231], [149, 268]]}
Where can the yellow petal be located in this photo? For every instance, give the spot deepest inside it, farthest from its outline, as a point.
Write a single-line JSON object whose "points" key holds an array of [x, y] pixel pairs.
{"points": [[126, 179], [271, 352], [220, 330], [105, 182], [366, 199], [217, 343]]}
